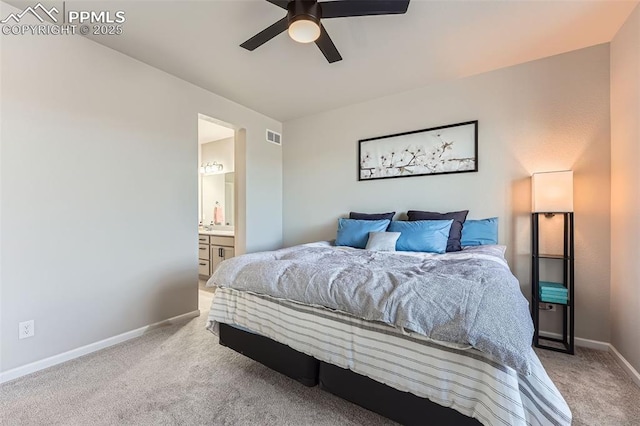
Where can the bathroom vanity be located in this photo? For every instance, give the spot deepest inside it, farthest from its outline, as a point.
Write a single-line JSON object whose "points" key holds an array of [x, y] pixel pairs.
{"points": [[213, 248]]}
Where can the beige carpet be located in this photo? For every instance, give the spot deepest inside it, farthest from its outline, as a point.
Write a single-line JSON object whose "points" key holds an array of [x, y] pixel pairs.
{"points": [[597, 389], [180, 375]]}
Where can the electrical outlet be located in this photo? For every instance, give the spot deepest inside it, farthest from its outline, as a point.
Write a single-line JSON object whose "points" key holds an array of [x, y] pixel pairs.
{"points": [[26, 329], [544, 306]]}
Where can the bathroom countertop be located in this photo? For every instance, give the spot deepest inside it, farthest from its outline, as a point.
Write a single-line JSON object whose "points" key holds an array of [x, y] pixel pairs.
{"points": [[217, 232]]}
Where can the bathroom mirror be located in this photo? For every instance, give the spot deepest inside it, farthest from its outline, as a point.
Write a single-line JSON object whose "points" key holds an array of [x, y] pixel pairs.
{"points": [[217, 199]]}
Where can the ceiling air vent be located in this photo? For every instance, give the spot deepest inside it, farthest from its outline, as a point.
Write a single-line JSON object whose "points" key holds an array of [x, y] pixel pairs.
{"points": [[274, 137]]}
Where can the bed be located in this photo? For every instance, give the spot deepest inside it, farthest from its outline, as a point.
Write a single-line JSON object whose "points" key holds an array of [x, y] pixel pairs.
{"points": [[362, 325]]}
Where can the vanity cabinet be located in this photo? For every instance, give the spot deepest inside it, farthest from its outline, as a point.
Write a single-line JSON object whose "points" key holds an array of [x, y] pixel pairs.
{"points": [[213, 249], [204, 256]]}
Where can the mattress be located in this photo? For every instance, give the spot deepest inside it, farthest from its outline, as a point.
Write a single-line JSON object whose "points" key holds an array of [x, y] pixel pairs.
{"points": [[461, 378], [469, 297]]}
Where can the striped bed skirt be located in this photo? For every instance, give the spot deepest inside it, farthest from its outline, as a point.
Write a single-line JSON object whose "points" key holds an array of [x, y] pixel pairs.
{"points": [[463, 379]]}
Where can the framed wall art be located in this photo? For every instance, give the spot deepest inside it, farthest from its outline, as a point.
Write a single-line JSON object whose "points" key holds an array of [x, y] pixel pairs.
{"points": [[434, 151]]}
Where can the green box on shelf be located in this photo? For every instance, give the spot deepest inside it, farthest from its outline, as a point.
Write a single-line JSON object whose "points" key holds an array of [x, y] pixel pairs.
{"points": [[554, 300], [553, 288], [549, 285], [552, 292], [546, 296]]}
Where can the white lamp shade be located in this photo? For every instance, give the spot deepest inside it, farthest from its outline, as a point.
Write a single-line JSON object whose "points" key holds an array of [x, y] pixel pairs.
{"points": [[552, 192]]}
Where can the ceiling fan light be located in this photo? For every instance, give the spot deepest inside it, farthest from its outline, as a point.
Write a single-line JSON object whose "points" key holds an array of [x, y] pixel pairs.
{"points": [[304, 30]]}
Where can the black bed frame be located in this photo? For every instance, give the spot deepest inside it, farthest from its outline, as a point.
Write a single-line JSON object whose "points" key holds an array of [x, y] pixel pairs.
{"points": [[403, 407]]}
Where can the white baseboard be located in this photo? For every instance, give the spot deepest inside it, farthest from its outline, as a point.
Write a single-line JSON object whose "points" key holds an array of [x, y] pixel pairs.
{"points": [[592, 344], [87, 349], [579, 341], [635, 376]]}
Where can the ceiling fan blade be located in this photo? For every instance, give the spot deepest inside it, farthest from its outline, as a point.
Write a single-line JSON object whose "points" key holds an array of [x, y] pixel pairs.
{"points": [[282, 3], [267, 34], [327, 47], [345, 8]]}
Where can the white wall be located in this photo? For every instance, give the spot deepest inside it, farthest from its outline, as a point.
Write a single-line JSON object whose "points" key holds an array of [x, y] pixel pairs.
{"points": [[625, 193], [109, 144], [550, 114]]}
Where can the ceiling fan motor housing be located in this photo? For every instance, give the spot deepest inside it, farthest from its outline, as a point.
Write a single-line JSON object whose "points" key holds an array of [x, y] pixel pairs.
{"points": [[303, 9]]}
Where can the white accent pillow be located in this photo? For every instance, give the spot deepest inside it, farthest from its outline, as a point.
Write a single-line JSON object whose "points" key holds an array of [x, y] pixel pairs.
{"points": [[382, 241]]}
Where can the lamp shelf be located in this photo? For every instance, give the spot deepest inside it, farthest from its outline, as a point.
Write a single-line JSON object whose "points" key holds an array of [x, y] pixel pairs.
{"points": [[553, 256], [565, 349], [564, 288], [554, 303]]}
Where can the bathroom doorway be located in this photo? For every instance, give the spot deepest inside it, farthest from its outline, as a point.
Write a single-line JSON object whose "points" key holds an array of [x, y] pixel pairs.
{"points": [[217, 199]]}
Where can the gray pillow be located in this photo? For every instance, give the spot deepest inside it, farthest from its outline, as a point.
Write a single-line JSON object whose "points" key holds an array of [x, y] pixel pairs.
{"points": [[371, 216], [382, 241]]}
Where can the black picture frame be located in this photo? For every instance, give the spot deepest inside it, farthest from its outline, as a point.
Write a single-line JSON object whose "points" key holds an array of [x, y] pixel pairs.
{"points": [[419, 152]]}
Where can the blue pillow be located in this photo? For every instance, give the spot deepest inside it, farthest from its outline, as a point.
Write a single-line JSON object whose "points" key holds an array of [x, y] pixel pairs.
{"points": [[480, 232], [422, 235], [456, 227], [355, 233]]}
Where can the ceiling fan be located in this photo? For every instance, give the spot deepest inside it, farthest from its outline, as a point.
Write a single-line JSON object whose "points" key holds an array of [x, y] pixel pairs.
{"points": [[304, 26]]}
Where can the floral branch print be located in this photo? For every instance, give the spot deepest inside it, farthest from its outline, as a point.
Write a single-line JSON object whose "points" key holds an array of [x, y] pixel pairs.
{"points": [[414, 160]]}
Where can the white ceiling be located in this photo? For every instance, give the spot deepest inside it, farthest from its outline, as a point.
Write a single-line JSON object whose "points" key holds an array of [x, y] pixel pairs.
{"points": [[198, 41], [208, 131]]}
